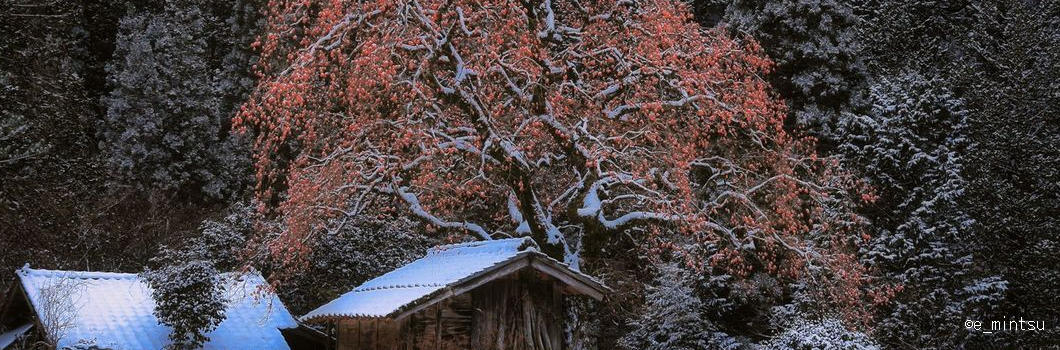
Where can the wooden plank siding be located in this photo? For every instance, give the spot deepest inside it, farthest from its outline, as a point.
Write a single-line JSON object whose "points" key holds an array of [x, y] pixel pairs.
{"points": [[521, 311], [445, 325]]}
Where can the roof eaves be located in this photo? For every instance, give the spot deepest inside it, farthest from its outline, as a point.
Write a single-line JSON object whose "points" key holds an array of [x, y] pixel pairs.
{"points": [[592, 287], [336, 317]]}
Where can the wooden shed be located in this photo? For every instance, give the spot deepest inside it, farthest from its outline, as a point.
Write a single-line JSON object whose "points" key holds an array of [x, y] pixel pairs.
{"points": [[501, 294]]}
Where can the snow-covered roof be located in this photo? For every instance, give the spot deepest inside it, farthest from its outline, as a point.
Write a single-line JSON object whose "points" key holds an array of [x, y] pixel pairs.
{"points": [[440, 271], [116, 311]]}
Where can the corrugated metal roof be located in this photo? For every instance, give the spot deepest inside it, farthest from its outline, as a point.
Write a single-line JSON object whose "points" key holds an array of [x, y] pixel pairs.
{"points": [[443, 267], [116, 311]]}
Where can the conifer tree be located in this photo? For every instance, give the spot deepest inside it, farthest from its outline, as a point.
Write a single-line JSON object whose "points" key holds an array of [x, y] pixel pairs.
{"points": [[814, 46], [911, 149], [166, 126]]}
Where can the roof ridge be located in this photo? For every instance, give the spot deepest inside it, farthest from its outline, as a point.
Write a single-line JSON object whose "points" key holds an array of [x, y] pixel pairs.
{"points": [[399, 286], [106, 275], [26, 270], [527, 242]]}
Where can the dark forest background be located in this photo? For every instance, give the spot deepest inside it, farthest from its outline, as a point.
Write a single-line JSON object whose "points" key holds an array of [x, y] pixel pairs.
{"points": [[117, 154]]}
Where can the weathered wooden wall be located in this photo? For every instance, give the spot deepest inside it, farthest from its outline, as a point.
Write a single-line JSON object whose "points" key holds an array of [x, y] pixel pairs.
{"points": [[445, 326], [523, 311], [371, 334]]}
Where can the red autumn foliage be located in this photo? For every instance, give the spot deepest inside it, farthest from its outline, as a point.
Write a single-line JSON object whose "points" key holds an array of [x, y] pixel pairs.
{"points": [[567, 121]]}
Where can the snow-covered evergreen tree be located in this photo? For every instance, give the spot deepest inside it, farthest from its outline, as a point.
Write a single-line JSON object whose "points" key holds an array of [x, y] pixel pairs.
{"points": [[166, 124], [1001, 58], [911, 151], [189, 299], [814, 46], [672, 319], [222, 241], [826, 334], [186, 284], [242, 24]]}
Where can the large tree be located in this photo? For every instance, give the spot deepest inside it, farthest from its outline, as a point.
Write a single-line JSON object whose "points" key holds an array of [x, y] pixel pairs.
{"points": [[574, 123]]}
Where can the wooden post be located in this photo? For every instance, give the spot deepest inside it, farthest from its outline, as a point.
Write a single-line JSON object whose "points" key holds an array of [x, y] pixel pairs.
{"points": [[438, 327]]}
